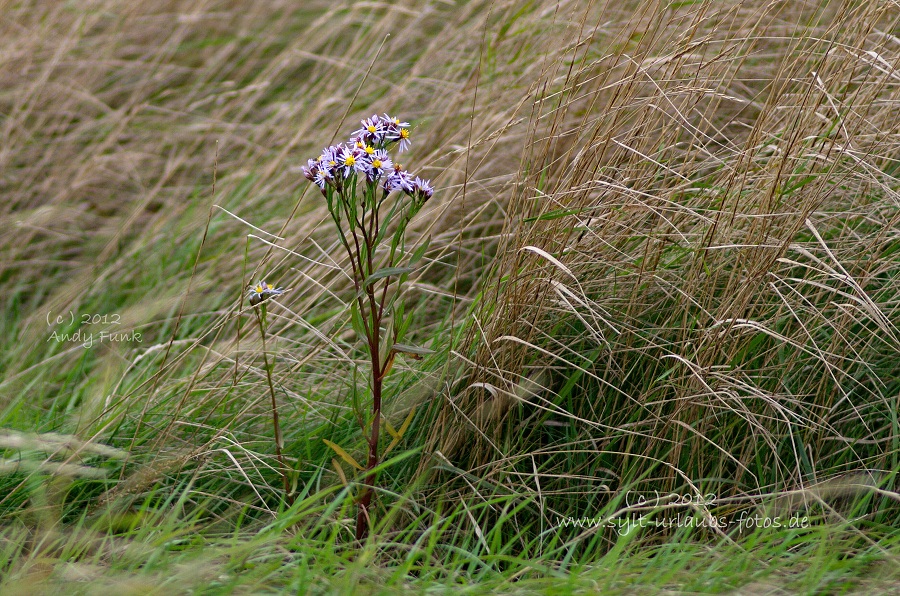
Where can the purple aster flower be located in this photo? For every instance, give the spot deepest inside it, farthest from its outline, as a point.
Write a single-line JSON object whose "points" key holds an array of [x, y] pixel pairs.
{"points": [[262, 291], [399, 179], [376, 164], [348, 161], [393, 121], [372, 131], [323, 178], [422, 189], [404, 140], [395, 130], [328, 165], [329, 160], [311, 171], [359, 146]]}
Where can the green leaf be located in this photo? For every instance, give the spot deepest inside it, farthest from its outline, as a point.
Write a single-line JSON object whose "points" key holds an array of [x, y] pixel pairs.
{"points": [[404, 326], [390, 427], [420, 251], [398, 434], [397, 320], [386, 272], [550, 215], [344, 455], [791, 188], [408, 349], [356, 320], [406, 423], [340, 471]]}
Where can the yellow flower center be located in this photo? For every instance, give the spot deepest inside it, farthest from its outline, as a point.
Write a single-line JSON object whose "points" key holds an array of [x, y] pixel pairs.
{"points": [[376, 163], [259, 289], [371, 128], [404, 133], [369, 150], [349, 161]]}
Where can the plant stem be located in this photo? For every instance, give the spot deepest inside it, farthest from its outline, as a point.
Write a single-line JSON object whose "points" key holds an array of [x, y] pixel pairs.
{"points": [[365, 499], [288, 497]]}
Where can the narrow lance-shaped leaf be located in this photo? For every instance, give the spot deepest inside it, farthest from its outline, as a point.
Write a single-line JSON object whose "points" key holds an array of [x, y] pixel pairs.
{"points": [[420, 251], [340, 471], [404, 326], [389, 427], [344, 455], [398, 434], [397, 320], [387, 272], [356, 320], [408, 349]]}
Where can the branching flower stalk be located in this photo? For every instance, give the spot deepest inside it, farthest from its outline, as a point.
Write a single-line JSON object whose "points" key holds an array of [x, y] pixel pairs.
{"points": [[258, 295], [357, 179]]}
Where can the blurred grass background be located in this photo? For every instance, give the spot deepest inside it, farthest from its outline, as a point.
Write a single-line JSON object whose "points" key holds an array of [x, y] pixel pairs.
{"points": [[663, 260]]}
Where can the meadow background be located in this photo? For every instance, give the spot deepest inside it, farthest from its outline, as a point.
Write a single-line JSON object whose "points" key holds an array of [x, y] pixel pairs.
{"points": [[663, 264]]}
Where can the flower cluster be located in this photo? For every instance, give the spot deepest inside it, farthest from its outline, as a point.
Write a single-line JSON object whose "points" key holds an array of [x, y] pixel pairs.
{"points": [[262, 291], [367, 154]]}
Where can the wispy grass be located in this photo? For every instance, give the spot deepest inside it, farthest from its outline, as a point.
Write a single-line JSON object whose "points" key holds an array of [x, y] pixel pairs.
{"points": [[663, 257]]}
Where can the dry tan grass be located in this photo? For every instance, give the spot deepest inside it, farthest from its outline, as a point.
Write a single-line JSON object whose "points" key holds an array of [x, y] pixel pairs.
{"points": [[709, 175]]}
